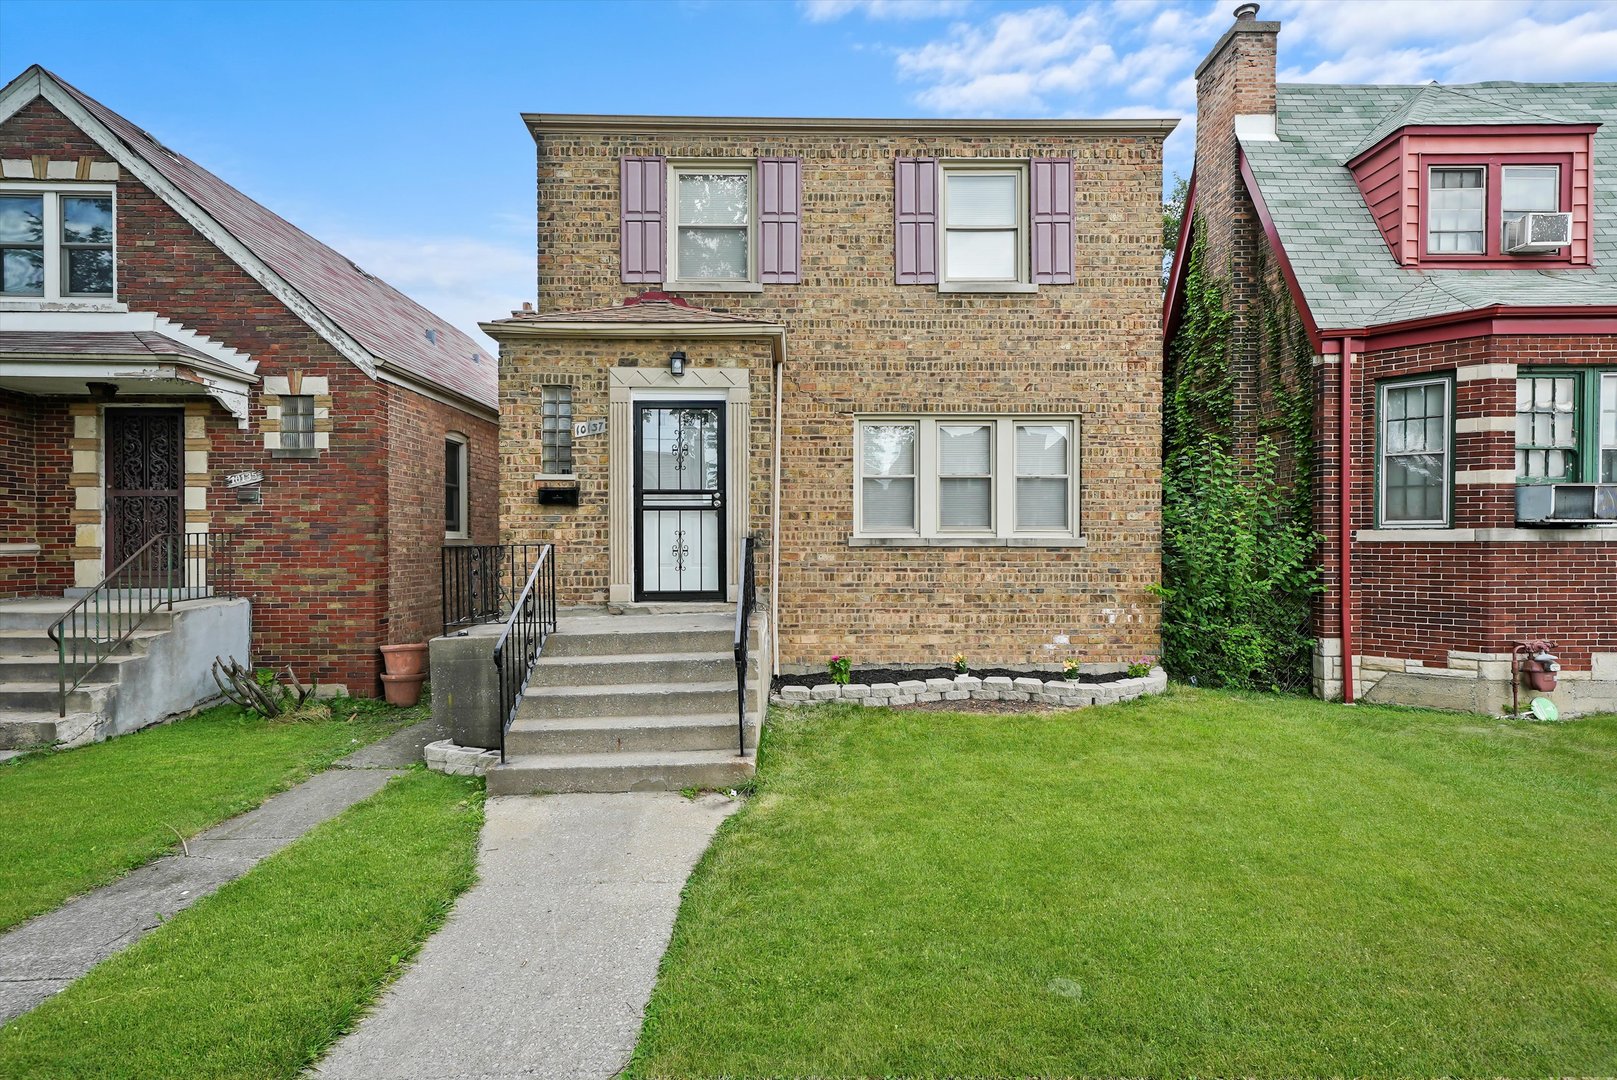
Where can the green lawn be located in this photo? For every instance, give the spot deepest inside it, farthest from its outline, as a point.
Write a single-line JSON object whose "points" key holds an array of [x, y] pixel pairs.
{"points": [[259, 978], [1205, 883], [75, 819]]}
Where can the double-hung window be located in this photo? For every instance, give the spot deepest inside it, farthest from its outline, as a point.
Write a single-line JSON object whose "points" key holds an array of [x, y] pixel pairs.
{"points": [[1470, 205], [1456, 212], [456, 483], [966, 479], [1527, 189], [1415, 466], [984, 230], [56, 245], [1566, 426], [712, 226]]}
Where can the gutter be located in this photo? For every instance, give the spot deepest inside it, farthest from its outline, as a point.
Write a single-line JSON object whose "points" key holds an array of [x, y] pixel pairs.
{"points": [[774, 513], [1345, 513]]}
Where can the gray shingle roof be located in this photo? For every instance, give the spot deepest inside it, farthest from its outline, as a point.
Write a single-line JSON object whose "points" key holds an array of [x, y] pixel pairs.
{"points": [[1342, 262]]}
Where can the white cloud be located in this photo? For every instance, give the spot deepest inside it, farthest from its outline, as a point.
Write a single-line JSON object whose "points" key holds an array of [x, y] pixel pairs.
{"points": [[464, 281], [831, 10]]}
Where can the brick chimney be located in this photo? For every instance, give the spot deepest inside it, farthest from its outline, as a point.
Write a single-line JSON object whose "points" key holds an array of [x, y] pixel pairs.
{"points": [[1235, 85]]}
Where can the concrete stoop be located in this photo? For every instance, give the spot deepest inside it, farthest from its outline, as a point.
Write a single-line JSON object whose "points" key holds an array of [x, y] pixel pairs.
{"points": [[161, 670], [643, 701]]}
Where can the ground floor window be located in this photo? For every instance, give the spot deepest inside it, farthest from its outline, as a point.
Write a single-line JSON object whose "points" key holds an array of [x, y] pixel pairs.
{"points": [[966, 477], [1415, 467], [455, 485], [1566, 426], [556, 430]]}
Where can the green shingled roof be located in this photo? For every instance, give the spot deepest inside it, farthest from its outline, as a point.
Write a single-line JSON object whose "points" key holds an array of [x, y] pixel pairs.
{"points": [[1342, 262]]}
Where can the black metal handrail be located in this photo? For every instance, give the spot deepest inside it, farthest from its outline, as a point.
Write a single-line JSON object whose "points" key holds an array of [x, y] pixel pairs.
{"points": [[480, 582], [532, 621], [744, 602], [166, 568]]}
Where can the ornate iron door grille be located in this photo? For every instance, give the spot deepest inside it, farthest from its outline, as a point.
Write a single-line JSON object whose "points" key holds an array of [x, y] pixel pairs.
{"points": [[679, 500], [145, 480]]}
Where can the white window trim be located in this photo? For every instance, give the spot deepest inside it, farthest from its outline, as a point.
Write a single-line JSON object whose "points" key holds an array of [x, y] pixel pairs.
{"points": [[671, 241], [1024, 232], [465, 531], [1002, 460], [54, 293], [1382, 455]]}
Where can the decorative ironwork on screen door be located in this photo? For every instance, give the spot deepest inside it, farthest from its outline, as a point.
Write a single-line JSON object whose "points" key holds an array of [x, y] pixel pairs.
{"points": [[679, 500], [145, 473]]}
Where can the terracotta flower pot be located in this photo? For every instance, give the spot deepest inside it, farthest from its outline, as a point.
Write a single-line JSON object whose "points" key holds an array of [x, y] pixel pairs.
{"points": [[403, 690], [405, 659]]}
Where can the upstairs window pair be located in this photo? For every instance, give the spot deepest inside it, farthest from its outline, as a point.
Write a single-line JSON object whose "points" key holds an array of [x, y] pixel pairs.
{"points": [[1462, 205], [55, 245]]}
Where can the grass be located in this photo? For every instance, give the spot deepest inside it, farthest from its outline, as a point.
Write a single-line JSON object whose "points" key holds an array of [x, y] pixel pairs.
{"points": [[260, 978], [75, 819], [1205, 883]]}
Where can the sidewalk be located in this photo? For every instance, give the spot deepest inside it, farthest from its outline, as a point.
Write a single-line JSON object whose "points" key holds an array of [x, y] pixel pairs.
{"points": [[545, 966], [45, 954]]}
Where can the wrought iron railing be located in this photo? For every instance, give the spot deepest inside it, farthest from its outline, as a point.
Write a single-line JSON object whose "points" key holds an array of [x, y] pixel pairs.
{"points": [[532, 621], [481, 581], [744, 601], [166, 568]]}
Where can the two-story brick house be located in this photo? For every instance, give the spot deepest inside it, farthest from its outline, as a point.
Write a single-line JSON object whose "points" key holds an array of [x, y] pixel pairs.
{"points": [[176, 358], [1449, 252], [916, 360]]}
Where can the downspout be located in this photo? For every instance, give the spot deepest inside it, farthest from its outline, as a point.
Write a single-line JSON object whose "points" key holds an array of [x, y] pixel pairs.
{"points": [[1345, 515], [774, 518]]}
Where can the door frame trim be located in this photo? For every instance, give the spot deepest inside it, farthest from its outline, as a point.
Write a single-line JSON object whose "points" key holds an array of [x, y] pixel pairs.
{"points": [[625, 386]]}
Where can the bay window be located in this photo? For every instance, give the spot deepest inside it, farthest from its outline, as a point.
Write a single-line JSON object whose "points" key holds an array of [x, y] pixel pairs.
{"points": [[968, 479], [1414, 465]]}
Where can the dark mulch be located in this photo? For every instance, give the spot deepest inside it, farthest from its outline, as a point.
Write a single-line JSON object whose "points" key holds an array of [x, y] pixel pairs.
{"points": [[872, 676]]}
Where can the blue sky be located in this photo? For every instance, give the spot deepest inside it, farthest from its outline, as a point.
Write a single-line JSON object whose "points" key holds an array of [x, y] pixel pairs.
{"points": [[391, 130]]}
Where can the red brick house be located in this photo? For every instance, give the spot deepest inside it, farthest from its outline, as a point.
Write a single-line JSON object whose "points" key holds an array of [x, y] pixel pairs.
{"points": [[1449, 253], [175, 357]]}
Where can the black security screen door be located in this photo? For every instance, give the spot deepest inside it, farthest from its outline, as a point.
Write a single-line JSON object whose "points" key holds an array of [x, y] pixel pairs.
{"points": [[679, 500], [145, 478]]}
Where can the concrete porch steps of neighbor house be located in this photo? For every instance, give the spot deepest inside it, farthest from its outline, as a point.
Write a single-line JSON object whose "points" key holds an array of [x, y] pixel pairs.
{"points": [[134, 686], [634, 702]]}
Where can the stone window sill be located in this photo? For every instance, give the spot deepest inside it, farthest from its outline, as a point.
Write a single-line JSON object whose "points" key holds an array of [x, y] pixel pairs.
{"points": [[19, 549], [989, 287], [713, 287], [306, 455], [967, 541], [1596, 534]]}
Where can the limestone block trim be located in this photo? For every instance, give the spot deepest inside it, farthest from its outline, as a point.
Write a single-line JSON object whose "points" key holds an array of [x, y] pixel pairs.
{"points": [[1058, 693], [1473, 372], [624, 387], [1472, 425], [276, 387], [1474, 477], [1594, 534]]}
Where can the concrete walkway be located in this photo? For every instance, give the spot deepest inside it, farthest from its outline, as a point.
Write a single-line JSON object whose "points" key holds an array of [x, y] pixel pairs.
{"points": [[45, 954], [545, 966]]}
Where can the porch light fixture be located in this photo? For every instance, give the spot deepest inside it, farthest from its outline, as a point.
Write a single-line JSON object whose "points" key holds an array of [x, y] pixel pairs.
{"points": [[676, 363]]}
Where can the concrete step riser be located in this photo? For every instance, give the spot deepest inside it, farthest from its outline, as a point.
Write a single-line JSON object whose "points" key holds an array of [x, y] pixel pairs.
{"points": [[22, 734], [517, 779], [586, 671], [660, 739], [47, 671], [627, 644], [23, 620], [44, 646], [46, 701], [672, 702]]}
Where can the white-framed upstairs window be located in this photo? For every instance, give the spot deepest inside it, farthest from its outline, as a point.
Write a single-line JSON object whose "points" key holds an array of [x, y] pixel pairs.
{"points": [[457, 484], [1457, 210], [966, 478], [984, 239], [1415, 467], [711, 242], [57, 244]]}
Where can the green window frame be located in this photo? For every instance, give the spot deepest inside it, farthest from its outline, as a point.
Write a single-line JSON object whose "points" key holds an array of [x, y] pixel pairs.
{"points": [[1415, 438], [1566, 425]]}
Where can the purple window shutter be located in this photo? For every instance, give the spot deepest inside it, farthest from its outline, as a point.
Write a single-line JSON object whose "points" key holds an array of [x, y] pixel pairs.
{"points": [[915, 221], [780, 202], [1052, 221], [641, 199]]}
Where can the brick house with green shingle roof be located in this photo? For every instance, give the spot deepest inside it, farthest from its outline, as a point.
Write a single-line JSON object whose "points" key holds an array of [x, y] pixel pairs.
{"points": [[1449, 252]]}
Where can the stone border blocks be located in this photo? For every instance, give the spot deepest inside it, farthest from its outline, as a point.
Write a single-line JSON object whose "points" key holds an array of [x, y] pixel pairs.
{"points": [[1055, 692], [447, 756]]}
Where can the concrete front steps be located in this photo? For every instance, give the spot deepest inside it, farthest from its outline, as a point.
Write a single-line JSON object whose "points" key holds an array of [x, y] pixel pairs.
{"points": [[638, 702], [129, 690]]}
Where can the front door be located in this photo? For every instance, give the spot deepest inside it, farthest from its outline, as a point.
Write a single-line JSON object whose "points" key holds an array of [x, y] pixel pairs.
{"points": [[145, 478], [679, 500]]}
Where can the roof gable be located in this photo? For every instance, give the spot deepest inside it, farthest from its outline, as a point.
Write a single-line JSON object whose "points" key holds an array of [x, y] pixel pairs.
{"points": [[378, 328]]}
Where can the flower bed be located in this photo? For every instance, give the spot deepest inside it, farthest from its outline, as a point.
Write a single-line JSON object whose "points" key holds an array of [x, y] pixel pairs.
{"points": [[871, 676], [909, 691]]}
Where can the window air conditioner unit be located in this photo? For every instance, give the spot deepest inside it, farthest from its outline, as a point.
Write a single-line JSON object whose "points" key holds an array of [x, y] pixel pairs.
{"points": [[1538, 232], [1566, 504]]}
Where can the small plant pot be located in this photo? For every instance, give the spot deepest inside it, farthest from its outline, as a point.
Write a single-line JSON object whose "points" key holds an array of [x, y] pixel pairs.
{"points": [[403, 690], [404, 659]]}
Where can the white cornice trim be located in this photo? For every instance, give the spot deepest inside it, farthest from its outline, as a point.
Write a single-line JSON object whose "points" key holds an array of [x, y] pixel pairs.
{"points": [[129, 322], [499, 330], [541, 123], [35, 84], [394, 376]]}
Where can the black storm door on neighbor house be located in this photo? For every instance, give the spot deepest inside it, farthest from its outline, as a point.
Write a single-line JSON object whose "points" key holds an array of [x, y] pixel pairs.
{"points": [[679, 500], [145, 471]]}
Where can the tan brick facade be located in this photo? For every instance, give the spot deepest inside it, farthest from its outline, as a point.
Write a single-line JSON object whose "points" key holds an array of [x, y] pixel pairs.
{"points": [[857, 345]]}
